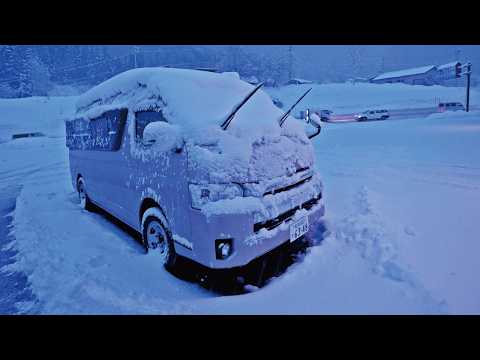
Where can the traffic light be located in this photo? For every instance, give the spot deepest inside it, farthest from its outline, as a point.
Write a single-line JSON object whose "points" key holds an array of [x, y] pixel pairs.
{"points": [[458, 70]]}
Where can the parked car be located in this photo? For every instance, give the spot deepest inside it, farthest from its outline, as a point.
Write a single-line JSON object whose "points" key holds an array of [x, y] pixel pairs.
{"points": [[373, 115], [451, 106], [277, 102], [324, 114], [149, 147]]}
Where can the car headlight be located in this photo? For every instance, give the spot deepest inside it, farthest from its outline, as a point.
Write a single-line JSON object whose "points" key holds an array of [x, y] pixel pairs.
{"points": [[202, 194]]}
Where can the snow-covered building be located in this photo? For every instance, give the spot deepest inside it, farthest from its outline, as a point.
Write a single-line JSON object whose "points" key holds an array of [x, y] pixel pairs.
{"points": [[270, 82], [447, 71], [425, 75], [357, 80], [297, 81], [251, 80], [446, 74]]}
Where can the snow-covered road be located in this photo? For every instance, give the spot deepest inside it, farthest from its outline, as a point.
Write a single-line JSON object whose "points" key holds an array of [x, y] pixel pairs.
{"points": [[392, 247], [417, 189], [402, 200]]}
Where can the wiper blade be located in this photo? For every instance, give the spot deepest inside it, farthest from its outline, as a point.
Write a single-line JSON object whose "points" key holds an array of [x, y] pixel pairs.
{"points": [[284, 117], [229, 118]]}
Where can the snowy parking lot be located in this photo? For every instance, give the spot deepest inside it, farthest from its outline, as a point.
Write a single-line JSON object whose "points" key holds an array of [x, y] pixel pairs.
{"points": [[402, 202]]}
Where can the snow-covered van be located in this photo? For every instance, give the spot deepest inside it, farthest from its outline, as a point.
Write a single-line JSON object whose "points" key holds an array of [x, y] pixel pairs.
{"points": [[201, 171]]}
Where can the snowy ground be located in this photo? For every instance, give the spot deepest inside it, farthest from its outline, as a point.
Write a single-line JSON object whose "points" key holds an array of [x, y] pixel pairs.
{"points": [[402, 200]]}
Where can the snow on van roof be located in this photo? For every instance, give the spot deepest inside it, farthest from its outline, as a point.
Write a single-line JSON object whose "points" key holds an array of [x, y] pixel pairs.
{"points": [[406, 72], [189, 98]]}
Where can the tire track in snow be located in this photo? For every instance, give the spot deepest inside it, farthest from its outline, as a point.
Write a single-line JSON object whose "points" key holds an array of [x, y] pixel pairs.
{"points": [[365, 230], [16, 296]]}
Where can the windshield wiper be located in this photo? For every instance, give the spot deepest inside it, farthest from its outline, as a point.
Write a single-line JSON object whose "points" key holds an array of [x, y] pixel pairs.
{"points": [[284, 117], [229, 118]]}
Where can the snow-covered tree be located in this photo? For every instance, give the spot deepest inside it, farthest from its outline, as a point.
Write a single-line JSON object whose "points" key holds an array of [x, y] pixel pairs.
{"points": [[39, 76]]}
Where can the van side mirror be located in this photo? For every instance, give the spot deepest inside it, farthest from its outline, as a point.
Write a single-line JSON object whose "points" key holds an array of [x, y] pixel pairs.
{"points": [[162, 136], [314, 120]]}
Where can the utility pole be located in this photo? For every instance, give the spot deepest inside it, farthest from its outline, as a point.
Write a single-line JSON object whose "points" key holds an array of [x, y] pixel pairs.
{"points": [[136, 50], [290, 62], [457, 54], [469, 72]]}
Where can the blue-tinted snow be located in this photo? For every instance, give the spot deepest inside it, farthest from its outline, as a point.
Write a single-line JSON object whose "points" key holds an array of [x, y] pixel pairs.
{"points": [[402, 200]]}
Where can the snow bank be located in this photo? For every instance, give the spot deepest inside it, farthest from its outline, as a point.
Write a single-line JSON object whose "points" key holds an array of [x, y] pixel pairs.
{"points": [[35, 114], [406, 194]]}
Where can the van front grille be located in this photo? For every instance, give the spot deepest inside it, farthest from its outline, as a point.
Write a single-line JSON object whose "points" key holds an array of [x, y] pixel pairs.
{"points": [[287, 215], [288, 187]]}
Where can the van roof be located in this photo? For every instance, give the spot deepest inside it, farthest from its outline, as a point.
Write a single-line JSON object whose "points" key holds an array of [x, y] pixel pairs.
{"points": [[189, 98]]}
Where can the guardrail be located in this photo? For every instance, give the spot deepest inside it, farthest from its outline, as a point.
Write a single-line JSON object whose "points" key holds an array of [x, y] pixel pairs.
{"points": [[26, 135]]}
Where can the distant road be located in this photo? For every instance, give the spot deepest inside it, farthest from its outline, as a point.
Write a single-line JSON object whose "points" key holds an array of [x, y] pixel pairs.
{"points": [[394, 114]]}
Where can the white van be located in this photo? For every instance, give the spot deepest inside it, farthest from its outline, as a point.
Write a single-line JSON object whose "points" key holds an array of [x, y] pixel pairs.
{"points": [[373, 115], [451, 106], [148, 146]]}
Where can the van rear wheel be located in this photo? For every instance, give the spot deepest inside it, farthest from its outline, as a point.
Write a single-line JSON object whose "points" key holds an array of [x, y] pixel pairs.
{"points": [[85, 202], [156, 237]]}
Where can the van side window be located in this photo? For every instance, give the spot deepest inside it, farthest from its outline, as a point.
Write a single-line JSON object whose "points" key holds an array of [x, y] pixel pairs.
{"points": [[143, 118], [103, 133], [99, 132]]}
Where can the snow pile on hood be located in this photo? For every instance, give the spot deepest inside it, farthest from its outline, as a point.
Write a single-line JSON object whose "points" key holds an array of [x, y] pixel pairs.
{"points": [[235, 160]]}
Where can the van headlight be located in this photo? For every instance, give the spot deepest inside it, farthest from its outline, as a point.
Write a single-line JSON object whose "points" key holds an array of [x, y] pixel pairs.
{"points": [[202, 194]]}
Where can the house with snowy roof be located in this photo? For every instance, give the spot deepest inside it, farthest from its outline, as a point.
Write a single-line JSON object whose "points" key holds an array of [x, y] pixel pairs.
{"points": [[425, 75], [251, 80], [446, 74], [297, 81]]}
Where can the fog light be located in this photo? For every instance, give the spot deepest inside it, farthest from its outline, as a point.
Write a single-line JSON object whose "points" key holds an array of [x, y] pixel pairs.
{"points": [[223, 248]]}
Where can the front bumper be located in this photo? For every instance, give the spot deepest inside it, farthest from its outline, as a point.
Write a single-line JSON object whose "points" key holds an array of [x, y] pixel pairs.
{"points": [[247, 244]]}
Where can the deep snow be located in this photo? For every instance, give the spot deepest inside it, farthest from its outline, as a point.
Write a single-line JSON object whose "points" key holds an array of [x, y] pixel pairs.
{"points": [[402, 199]]}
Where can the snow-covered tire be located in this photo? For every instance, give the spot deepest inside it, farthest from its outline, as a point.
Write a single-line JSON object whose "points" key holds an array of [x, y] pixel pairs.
{"points": [[155, 235], [85, 202]]}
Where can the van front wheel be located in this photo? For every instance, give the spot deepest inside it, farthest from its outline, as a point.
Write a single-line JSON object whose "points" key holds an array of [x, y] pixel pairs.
{"points": [[156, 237]]}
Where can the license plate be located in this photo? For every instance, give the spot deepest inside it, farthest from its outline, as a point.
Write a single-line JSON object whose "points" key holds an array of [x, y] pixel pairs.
{"points": [[298, 228]]}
